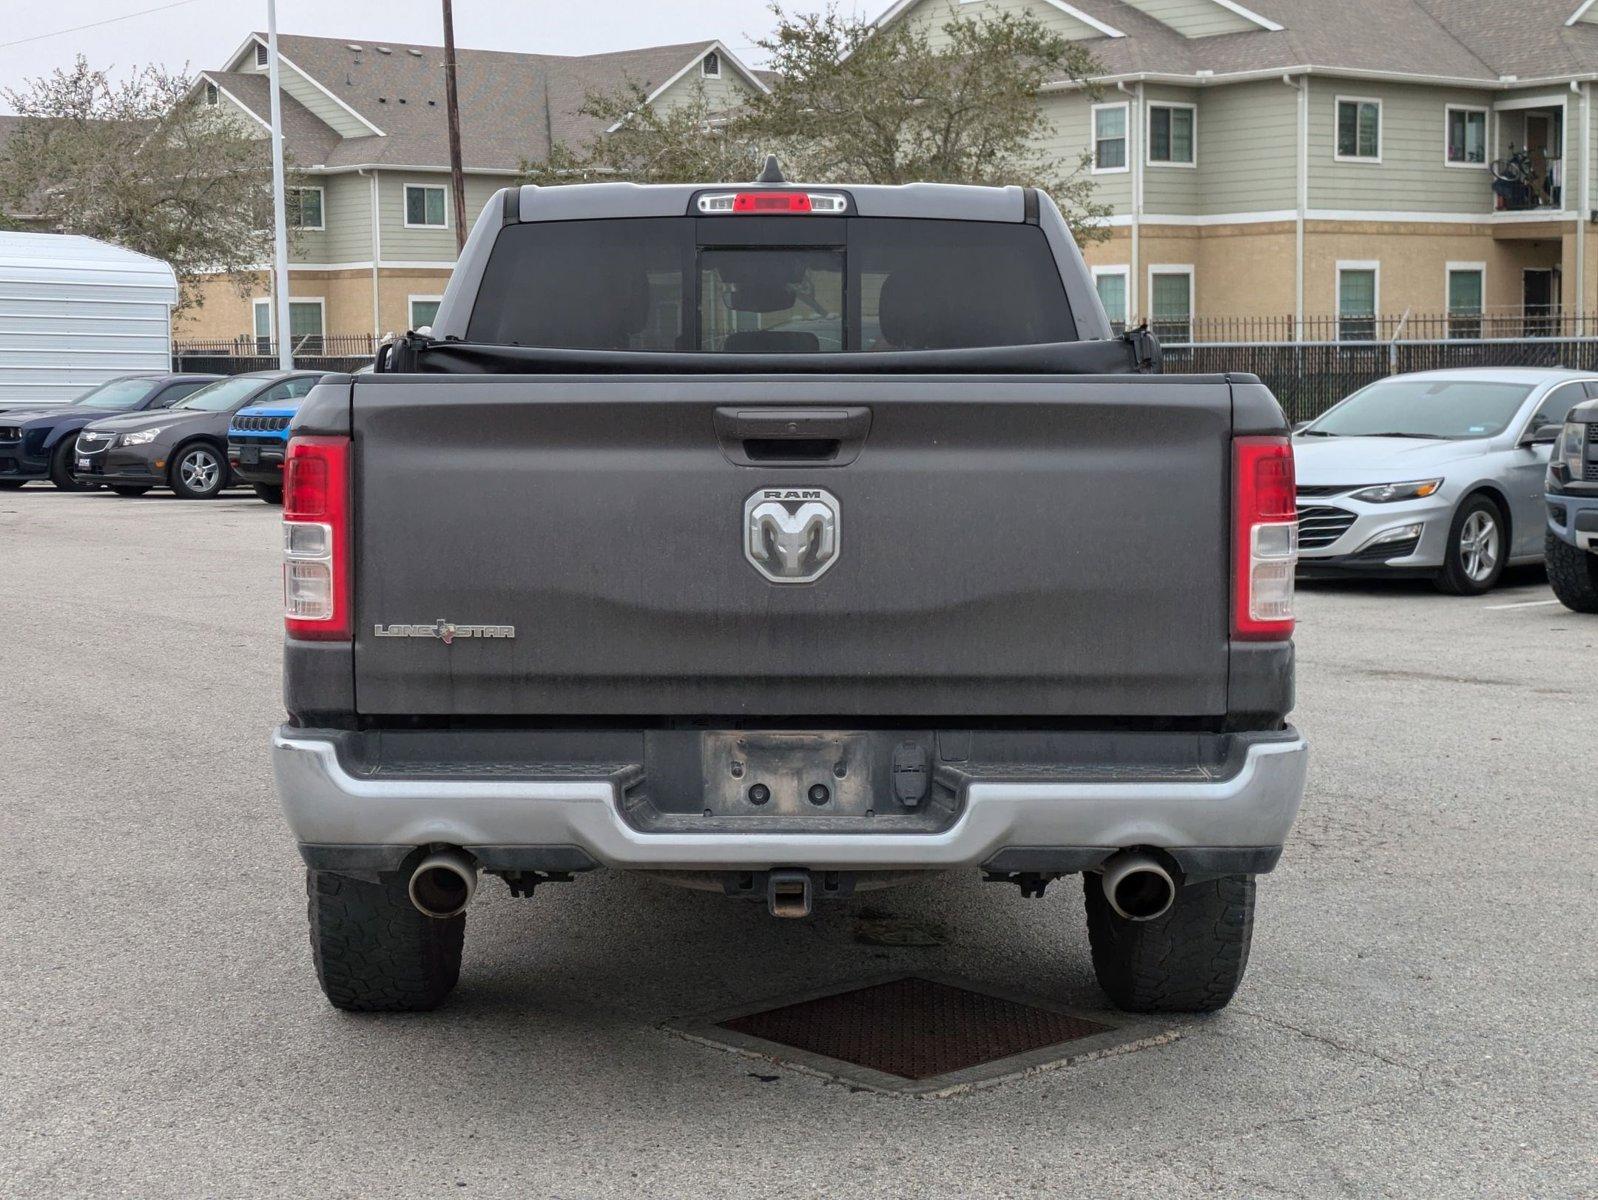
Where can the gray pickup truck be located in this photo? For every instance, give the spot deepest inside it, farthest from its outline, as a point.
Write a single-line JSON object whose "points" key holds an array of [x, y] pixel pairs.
{"points": [[787, 541]]}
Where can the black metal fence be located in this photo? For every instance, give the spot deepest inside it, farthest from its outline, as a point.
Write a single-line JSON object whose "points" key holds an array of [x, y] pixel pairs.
{"points": [[1309, 377], [1515, 322], [235, 356]]}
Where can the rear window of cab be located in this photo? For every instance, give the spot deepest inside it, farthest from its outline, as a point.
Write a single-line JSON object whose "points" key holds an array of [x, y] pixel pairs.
{"points": [[771, 285]]}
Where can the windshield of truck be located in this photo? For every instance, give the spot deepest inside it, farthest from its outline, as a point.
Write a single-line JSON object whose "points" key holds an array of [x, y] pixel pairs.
{"points": [[119, 394], [732, 285], [223, 394], [1451, 409]]}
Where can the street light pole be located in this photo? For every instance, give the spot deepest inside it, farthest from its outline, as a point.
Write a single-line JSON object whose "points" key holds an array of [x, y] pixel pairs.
{"points": [[280, 234], [452, 109]]}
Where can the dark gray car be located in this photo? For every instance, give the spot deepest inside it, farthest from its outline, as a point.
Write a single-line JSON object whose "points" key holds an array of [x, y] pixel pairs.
{"points": [[183, 447]]}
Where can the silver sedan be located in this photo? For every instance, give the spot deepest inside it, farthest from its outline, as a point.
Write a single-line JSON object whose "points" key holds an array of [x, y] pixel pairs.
{"points": [[1438, 473]]}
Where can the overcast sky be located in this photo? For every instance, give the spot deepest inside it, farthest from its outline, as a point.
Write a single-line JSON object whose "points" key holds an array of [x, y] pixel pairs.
{"points": [[202, 33]]}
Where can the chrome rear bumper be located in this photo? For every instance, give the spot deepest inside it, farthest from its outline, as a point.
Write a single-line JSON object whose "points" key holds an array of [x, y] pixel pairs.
{"points": [[327, 806]]}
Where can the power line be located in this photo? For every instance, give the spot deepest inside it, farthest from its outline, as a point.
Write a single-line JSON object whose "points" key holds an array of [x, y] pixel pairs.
{"points": [[144, 12]]}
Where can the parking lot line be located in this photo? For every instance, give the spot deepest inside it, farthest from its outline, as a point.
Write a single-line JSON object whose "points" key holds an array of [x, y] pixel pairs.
{"points": [[1519, 604]]}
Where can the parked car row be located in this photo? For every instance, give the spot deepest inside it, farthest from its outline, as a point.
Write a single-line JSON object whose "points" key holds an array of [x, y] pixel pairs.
{"points": [[1453, 475], [194, 434]]}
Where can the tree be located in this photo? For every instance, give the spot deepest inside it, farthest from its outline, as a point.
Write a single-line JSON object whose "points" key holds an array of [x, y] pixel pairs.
{"points": [[946, 99], [140, 164]]}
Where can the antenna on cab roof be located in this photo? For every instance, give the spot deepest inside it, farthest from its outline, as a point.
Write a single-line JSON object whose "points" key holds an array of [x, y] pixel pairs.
{"points": [[771, 172]]}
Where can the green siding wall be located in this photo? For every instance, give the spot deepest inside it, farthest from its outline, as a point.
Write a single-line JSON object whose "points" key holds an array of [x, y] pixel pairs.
{"points": [[347, 215], [1412, 175], [314, 98], [1168, 188], [1245, 149], [1194, 18], [427, 245], [725, 92], [1248, 148], [1069, 115], [936, 14]]}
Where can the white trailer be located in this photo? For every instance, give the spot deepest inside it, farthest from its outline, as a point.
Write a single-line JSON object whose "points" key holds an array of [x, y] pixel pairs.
{"points": [[75, 312]]}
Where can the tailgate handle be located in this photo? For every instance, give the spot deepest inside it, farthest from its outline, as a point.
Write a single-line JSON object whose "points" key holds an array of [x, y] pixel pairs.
{"points": [[814, 437]]}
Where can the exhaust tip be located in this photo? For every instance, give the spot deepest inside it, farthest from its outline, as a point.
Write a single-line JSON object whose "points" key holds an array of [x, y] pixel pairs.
{"points": [[443, 884], [1138, 887]]}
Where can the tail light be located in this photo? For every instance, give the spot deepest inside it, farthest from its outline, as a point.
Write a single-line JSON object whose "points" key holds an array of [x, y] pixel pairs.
{"points": [[1265, 538], [316, 539]]}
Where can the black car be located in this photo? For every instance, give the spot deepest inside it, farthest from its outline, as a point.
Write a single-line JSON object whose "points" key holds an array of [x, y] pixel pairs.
{"points": [[183, 447], [38, 443]]}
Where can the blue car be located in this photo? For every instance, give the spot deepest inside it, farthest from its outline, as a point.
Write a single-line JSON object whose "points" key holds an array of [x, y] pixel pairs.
{"points": [[256, 442], [1572, 543], [40, 443]]}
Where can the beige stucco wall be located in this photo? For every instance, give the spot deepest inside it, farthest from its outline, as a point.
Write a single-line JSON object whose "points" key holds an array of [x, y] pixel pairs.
{"points": [[1248, 270], [346, 301]]}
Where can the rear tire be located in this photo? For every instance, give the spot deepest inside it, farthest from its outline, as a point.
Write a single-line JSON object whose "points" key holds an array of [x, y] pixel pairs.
{"points": [[61, 468], [374, 951], [1573, 574], [1190, 960], [272, 493], [1478, 547], [198, 471], [129, 489]]}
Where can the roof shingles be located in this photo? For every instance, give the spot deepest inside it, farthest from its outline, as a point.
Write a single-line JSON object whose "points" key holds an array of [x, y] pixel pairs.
{"points": [[510, 103]]}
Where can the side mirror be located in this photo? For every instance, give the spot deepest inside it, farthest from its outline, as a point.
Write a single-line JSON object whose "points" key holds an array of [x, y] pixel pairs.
{"points": [[1543, 435]]}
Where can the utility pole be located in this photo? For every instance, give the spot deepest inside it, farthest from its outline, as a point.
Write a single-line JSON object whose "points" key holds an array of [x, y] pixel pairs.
{"points": [[280, 233], [452, 109]]}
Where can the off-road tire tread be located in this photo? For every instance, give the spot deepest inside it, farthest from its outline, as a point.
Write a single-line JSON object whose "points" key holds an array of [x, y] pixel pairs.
{"points": [[1190, 960], [1573, 574], [373, 951], [272, 493]]}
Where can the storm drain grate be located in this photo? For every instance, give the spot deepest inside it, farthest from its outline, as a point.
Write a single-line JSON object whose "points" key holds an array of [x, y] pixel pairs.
{"points": [[921, 1036]]}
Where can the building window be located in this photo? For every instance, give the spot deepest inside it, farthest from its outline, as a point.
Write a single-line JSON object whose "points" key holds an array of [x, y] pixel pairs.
{"points": [[424, 207], [424, 310], [1359, 130], [304, 206], [1467, 136], [1466, 286], [1357, 294], [212, 96], [1171, 134], [1171, 303], [1111, 283], [710, 65], [260, 54], [263, 326], [305, 326], [1109, 138]]}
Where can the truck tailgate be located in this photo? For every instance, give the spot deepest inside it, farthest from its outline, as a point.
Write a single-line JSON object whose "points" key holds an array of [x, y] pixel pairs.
{"points": [[1006, 547]]}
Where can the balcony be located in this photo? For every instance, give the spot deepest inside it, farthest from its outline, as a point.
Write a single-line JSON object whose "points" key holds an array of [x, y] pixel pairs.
{"points": [[1529, 174]]}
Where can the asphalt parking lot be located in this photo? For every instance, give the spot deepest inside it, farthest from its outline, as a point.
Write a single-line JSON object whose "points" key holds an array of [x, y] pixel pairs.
{"points": [[1416, 1021]]}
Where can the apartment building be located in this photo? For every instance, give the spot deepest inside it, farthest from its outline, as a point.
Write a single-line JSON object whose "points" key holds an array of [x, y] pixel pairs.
{"points": [[1300, 158], [364, 128]]}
